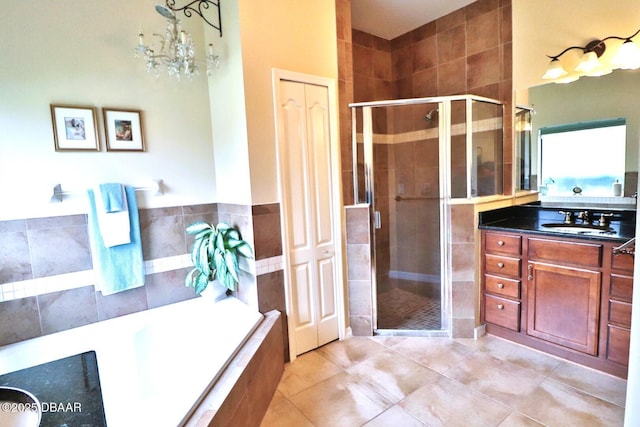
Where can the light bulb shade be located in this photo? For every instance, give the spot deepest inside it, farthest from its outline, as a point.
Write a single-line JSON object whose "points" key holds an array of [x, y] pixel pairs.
{"points": [[568, 78], [589, 62], [600, 71], [628, 56], [555, 70]]}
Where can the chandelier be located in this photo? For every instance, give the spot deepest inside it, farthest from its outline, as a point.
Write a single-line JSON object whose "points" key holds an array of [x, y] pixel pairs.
{"points": [[175, 48]]}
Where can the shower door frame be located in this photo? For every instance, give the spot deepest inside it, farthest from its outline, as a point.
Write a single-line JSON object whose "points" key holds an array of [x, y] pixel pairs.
{"points": [[445, 199]]}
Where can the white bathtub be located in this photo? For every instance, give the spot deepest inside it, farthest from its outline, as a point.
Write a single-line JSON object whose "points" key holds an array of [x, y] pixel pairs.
{"points": [[154, 365]]}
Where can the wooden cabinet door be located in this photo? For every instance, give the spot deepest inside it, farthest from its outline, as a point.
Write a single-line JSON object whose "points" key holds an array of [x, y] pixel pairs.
{"points": [[563, 306]]}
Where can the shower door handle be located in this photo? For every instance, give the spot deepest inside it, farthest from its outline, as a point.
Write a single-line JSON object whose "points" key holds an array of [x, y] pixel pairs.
{"points": [[377, 223]]}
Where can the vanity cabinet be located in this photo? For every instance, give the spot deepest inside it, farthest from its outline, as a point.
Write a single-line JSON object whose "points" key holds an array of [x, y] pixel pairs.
{"points": [[566, 296], [502, 278], [563, 297], [619, 302]]}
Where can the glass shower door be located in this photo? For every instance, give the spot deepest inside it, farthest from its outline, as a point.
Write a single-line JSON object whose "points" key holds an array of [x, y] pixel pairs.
{"points": [[414, 161], [401, 159]]}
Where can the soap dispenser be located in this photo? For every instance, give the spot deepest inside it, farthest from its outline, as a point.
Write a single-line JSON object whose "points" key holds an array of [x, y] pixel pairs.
{"points": [[617, 188]]}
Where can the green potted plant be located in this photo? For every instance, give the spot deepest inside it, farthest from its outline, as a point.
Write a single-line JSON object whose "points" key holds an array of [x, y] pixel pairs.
{"points": [[215, 255]]}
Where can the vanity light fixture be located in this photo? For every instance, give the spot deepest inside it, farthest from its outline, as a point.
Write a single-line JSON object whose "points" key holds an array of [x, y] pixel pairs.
{"points": [[176, 49], [627, 58]]}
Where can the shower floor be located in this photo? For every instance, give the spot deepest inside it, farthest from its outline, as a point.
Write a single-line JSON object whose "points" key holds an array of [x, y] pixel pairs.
{"points": [[410, 305]]}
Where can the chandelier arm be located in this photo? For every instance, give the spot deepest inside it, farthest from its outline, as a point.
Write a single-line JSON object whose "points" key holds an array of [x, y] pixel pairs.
{"points": [[188, 10]]}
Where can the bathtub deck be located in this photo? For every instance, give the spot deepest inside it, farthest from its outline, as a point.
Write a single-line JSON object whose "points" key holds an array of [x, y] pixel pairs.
{"points": [[154, 365]]}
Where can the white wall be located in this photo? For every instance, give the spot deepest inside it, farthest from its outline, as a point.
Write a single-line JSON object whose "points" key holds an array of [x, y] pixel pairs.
{"points": [[228, 112], [292, 35], [547, 27], [80, 52]]}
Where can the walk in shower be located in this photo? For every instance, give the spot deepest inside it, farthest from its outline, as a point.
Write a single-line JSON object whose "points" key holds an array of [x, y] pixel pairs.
{"points": [[414, 159]]}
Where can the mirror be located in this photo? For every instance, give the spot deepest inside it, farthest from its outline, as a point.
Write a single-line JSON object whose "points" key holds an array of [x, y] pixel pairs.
{"points": [[586, 100]]}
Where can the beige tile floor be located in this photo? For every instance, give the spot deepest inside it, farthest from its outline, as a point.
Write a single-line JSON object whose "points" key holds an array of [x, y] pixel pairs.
{"points": [[417, 381]]}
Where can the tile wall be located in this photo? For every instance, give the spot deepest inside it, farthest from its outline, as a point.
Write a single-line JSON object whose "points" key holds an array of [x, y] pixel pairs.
{"points": [[359, 279], [46, 276], [465, 52]]}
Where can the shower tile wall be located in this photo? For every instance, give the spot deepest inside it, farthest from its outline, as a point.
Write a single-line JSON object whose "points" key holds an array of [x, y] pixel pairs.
{"points": [[467, 51], [50, 249], [359, 280], [345, 95]]}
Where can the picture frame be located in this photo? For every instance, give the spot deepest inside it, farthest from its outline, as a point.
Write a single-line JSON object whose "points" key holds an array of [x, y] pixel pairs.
{"points": [[75, 128], [123, 129]]}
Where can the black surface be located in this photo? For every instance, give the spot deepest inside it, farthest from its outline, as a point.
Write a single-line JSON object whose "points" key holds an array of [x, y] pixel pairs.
{"points": [[68, 389], [531, 217]]}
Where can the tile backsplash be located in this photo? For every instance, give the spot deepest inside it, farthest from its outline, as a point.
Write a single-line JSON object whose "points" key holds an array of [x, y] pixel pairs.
{"points": [[46, 272]]}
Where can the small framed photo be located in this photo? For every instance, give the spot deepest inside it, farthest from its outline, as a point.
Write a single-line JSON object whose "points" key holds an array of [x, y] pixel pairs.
{"points": [[123, 129], [75, 128]]}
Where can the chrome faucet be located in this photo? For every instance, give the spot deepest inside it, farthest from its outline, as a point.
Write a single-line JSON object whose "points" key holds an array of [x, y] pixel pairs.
{"points": [[568, 216], [585, 216], [603, 219]]}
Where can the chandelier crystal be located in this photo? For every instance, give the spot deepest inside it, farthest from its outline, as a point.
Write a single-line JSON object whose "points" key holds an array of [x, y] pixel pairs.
{"points": [[176, 50]]}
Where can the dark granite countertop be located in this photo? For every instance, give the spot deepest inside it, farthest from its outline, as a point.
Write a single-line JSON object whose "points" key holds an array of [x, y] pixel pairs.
{"points": [[530, 218], [68, 390]]}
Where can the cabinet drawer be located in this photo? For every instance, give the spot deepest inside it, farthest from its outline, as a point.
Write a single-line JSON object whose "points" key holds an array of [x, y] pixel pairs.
{"points": [[502, 265], [503, 244], [502, 286], [622, 262], [502, 312], [620, 313], [559, 252], [621, 287], [618, 345]]}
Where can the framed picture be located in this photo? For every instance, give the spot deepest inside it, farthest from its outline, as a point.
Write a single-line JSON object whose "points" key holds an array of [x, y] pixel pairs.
{"points": [[123, 129], [75, 128]]}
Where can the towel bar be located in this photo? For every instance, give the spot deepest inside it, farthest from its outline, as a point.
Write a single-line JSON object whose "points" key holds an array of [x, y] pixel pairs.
{"points": [[156, 188]]}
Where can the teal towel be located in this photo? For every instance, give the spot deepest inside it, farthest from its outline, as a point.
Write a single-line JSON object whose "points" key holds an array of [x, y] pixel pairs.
{"points": [[112, 197], [117, 268]]}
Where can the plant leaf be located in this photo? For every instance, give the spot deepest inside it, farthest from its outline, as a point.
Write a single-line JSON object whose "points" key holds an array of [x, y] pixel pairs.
{"points": [[220, 241], [197, 227], [189, 279], [195, 250], [232, 264], [223, 227], [233, 234], [204, 234], [245, 250], [201, 283], [230, 283]]}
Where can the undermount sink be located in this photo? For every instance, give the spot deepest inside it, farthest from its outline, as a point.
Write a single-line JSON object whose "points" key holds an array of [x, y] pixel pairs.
{"points": [[562, 227]]}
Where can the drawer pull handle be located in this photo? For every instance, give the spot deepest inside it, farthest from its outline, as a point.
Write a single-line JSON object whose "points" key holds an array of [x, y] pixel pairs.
{"points": [[500, 242], [500, 286], [500, 265], [500, 307], [530, 271]]}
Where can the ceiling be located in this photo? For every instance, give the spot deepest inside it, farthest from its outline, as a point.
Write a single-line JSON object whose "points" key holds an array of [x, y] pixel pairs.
{"points": [[392, 18]]}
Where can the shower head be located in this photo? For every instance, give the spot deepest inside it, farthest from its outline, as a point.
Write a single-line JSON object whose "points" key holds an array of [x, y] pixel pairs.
{"points": [[430, 114]]}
